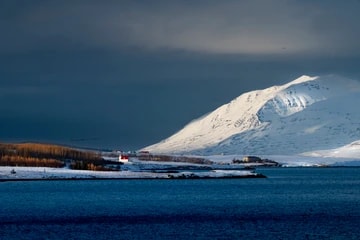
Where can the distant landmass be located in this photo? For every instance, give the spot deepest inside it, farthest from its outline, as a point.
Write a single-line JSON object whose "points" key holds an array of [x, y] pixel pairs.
{"points": [[312, 115]]}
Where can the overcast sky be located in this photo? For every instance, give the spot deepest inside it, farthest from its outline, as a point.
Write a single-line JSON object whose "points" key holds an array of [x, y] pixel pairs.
{"points": [[126, 74]]}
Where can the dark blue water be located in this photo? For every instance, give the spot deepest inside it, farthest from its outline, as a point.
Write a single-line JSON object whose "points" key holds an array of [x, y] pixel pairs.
{"points": [[292, 203]]}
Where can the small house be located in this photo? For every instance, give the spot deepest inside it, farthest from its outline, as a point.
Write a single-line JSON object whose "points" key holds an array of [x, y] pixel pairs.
{"points": [[123, 158], [251, 159]]}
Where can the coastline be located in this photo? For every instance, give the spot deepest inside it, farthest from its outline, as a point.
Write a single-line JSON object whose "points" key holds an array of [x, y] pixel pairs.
{"points": [[8, 173], [124, 178]]}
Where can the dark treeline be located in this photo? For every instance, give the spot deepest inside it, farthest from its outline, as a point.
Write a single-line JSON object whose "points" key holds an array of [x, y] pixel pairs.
{"points": [[166, 158], [46, 155], [86, 165], [6, 160], [37, 150], [264, 162]]}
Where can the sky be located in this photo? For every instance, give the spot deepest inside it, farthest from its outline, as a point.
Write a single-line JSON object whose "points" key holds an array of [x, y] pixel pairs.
{"points": [[127, 74]]}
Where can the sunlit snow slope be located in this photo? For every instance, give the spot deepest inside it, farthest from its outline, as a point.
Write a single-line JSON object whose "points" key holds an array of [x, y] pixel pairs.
{"points": [[351, 150], [307, 114]]}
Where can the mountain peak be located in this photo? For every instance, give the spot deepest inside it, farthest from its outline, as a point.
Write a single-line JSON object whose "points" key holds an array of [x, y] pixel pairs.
{"points": [[303, 78], [306, 114]]}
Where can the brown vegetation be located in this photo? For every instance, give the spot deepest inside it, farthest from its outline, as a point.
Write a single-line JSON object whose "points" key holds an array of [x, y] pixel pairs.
{"points": [[7, 160], [37, 150], [46, 155]]}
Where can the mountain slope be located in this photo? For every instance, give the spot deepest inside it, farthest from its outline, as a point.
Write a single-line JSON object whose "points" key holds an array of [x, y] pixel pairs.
{"points": [[351, 150], [307, 114]]}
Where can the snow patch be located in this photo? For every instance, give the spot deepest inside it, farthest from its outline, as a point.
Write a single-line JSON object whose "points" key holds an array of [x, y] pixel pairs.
{"points": [[351, 151], [313, 129]]}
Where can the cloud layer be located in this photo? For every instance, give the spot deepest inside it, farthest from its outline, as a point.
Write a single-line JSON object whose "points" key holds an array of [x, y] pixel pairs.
{"points": [[256, 27]]}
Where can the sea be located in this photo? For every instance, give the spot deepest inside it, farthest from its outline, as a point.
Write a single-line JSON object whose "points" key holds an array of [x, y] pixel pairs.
{"points": [[291, 203]]}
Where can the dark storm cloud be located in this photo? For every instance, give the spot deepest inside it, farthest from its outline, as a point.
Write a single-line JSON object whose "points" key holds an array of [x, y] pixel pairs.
{"points": [[236, 27], [130, 73]]}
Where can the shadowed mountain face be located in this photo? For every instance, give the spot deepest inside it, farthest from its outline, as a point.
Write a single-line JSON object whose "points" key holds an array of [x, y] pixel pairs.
{"points": [[307, 114]]}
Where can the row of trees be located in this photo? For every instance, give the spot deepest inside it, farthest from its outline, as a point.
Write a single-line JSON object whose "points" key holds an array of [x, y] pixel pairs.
{"points": [[30, 162], [47, 151], [167, 158], [47, 155], [81, 165]]}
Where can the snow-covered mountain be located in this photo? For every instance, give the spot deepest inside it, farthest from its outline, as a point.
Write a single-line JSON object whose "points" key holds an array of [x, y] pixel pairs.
{"points": [[351, 151], [304, 115]]}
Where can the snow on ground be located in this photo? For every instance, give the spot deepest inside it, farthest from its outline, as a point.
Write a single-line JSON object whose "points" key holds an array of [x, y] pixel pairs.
{"points": [[348, 155], [65, 173], [294, 160], [214, 174], [150, 170], [306, 161], [351, 150]]}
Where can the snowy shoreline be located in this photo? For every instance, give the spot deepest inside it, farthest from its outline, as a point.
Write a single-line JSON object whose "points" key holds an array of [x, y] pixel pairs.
{"points": [[139, 178], [48, 174], [221, 168]]}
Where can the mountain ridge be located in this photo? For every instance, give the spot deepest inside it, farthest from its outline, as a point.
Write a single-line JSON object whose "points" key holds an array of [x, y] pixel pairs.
{"points": [[300, 111]]}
